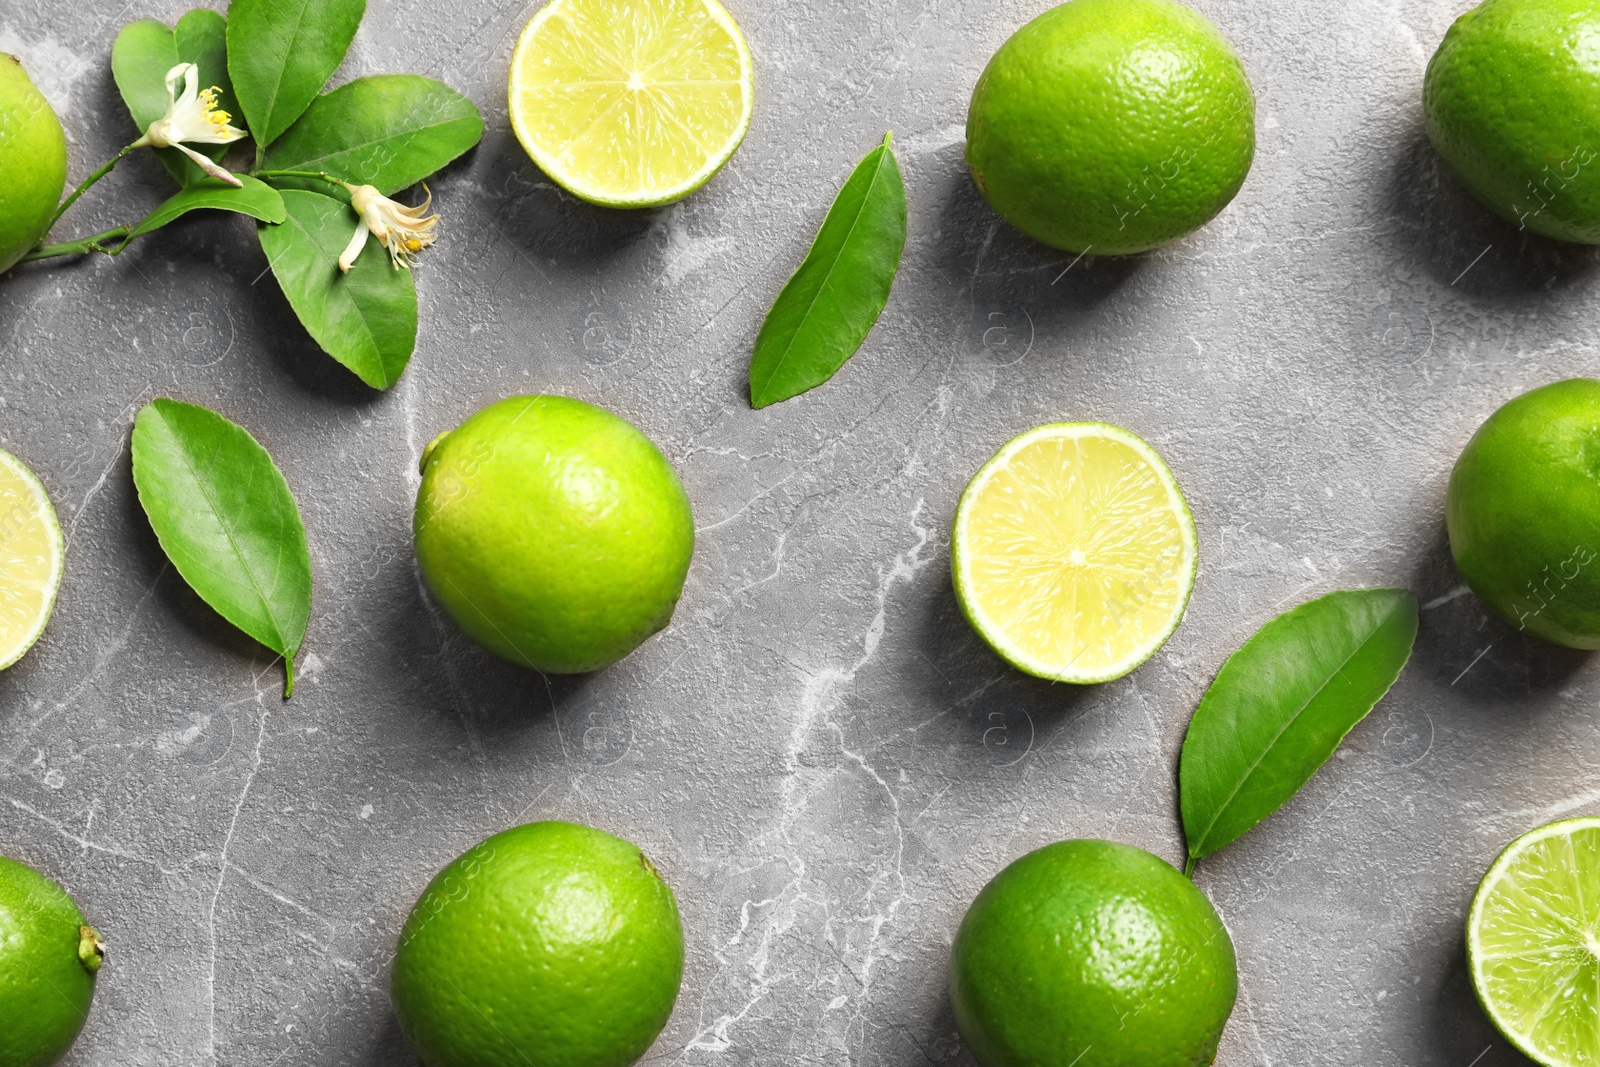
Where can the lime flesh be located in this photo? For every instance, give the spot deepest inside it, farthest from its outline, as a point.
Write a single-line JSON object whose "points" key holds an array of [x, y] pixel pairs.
{"points": [[1533, 943], [32, 555], [1074, 553], [631, 103]]}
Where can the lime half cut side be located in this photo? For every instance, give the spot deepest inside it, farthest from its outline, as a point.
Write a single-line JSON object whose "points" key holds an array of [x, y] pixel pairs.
{"points": [[1533, 943], [631, 103], [31, 555], [1074, 552]]}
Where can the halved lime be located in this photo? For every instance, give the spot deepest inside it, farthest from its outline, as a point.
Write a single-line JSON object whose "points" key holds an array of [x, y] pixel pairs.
{"points": [[1074, 553], [31, 556], [1533, 943], [631, 103]]}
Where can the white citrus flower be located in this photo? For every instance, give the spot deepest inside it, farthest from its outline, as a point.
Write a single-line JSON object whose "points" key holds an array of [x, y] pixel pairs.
{"points": [[405, 231], [192, 116]]}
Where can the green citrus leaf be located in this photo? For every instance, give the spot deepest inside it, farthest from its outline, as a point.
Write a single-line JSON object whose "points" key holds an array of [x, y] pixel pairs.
{"points": [[830, 305], [389, 130], [143, 53], [280, 52], [366, 319], [1282, 703], [140, 57], [254, 198], [225, 517], [202, 39]]}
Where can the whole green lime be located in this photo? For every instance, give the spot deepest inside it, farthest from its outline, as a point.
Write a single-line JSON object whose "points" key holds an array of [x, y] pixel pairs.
{"points": [[48, 960], [1093, 954], [553, 532], [548, 945], [1512, 99], [33, 162], [1112, 126], [1523, 511]]}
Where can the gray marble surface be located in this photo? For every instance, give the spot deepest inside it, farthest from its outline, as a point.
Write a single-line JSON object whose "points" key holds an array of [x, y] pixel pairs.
{"points": [[820, 755]]}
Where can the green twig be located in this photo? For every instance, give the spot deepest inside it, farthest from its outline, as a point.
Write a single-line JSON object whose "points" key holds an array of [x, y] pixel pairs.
{"points": [[84, 245], [288, 677], [90, 180], [314, 175], [1188, 868]]}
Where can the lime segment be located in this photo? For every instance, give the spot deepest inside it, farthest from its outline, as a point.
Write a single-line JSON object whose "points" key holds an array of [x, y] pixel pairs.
{"points": [[631, 103], [1533, 943], [1074, 552], [31, 555]]}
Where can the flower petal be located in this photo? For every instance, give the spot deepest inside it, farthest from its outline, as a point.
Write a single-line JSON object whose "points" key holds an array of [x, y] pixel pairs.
{"points": [[421, 209], [178, 103], [347, 258]]}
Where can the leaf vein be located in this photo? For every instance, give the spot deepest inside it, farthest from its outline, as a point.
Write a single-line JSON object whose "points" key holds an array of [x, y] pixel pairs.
{"points": [[1255, 764], [827, 277], [307, 161], [277, 82], [216, 513]]}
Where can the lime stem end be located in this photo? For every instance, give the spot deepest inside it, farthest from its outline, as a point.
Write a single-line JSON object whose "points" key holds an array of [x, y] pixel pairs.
{"points": [[91, 950]]}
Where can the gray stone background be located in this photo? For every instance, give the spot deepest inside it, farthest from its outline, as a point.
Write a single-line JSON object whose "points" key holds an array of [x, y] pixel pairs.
{"points": [[820, 755]]}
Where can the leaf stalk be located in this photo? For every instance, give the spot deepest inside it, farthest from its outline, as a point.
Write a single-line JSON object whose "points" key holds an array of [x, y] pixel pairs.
{"points": [[314, 175]]}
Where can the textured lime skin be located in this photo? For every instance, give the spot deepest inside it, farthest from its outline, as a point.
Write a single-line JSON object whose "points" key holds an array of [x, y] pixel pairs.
{"points": [[1512, 99], [44, 988], [1112, 126], [1523, 511], [1093, 954], [33, 162], [548, 945], [553, 532]]}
